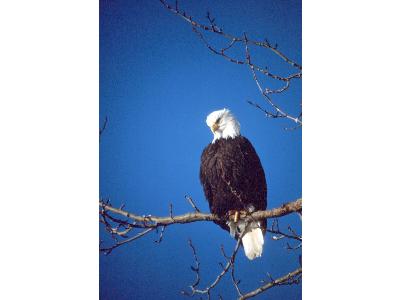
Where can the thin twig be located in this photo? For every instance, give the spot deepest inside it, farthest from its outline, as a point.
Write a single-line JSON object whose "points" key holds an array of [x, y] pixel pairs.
{"points": [[161, 235], [275, 229], [234, 281], [139, 235], [280, 281], [104, 126], [190, 200]]}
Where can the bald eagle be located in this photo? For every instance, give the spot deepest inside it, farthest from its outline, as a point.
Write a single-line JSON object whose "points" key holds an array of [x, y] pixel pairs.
{"points": [[233, 181]]}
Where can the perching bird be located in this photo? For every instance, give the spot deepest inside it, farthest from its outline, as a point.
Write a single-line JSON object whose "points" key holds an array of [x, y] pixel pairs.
{"points": [[233, 181]]}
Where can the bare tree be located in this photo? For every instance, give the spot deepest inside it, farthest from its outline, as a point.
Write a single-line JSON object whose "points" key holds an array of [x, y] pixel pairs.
{"points": [[126, 227]]}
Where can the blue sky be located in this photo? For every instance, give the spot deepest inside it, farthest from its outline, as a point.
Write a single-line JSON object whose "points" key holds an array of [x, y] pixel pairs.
{"points": [[157, 84]]}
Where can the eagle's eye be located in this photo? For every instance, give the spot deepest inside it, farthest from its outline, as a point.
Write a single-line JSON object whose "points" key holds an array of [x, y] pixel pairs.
{"points": [[219, 119]]}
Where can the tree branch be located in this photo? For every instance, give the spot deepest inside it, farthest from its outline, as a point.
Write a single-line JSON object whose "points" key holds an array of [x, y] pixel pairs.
{"points": [[154, 221], [290, 278], [265, 92], [218, 30], [234, 41], [275, 229], [229, 265], [117, 244]]}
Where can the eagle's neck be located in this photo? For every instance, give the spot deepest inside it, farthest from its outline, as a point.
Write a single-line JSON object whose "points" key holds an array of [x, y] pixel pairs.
{"points": [[231, 130]]}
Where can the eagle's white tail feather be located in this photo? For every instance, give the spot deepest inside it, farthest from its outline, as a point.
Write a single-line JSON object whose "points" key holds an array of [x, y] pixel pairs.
{"points": [[253, 242]]}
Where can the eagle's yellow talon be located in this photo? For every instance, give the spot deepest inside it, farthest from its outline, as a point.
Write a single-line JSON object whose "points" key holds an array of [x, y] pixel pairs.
{"points": [[236, 217]]}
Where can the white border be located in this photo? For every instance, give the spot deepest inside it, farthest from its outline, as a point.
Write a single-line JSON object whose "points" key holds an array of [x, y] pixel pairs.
{"points": [[49, 149], [351, 149]]}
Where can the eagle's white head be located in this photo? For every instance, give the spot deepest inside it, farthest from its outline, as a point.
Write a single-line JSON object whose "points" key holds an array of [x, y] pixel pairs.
{"points": [[223, 124]]}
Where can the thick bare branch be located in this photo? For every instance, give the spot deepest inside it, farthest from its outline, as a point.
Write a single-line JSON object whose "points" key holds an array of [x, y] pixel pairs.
{"points": [[154, 221], [149, 223]]}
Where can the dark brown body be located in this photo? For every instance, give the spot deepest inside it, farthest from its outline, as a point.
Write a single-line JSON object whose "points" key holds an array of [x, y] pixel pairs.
{"points": [[232, 177]]}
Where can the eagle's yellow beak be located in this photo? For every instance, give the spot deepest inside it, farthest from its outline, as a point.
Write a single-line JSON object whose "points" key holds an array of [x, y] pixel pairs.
{"points": [[214, 128]]}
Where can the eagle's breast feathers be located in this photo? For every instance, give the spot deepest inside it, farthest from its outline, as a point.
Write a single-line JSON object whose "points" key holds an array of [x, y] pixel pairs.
{"points": [[232, 177]]}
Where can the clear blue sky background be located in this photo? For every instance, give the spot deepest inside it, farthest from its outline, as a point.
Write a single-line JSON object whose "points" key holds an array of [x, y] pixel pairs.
{"points": [[158, 82]]}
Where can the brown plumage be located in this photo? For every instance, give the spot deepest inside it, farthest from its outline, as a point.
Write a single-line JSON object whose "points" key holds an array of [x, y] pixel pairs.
{"points": [[232, 177]]}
